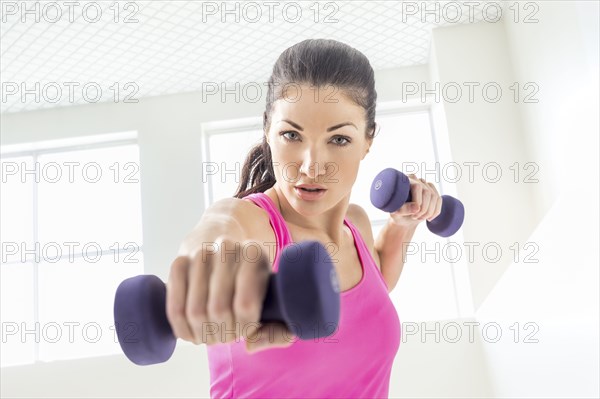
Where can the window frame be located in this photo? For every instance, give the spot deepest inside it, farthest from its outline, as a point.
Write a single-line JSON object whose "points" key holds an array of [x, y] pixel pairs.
{"points": [[44, 147]]}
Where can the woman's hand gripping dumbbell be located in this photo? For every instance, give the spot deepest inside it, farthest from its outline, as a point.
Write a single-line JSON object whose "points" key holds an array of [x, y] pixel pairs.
{"points": [[302, 299], [391, 189]]}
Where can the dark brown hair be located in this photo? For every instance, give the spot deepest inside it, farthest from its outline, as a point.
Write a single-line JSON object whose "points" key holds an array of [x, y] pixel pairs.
{"points": [[316, 63]]}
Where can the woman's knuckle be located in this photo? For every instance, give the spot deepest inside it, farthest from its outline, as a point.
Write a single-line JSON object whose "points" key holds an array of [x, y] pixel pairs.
{"points": [[200, 258], [246, 308], [175, 311], [218, 310], [180, 263], [196, 313]]}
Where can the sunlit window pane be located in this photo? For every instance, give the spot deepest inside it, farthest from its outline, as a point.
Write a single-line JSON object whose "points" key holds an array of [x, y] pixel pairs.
{"points": [[16, 313], [76, 215], [99, 204], [76, 311], [227, 152], [16, 207], [425, 290], [403, 140]]}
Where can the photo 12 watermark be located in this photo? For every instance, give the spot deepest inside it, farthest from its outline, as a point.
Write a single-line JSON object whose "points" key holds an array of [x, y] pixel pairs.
{"points": [[258, 92], [69, 251], [471, 92], [52, 12], [269, 12], [454, 332], [455, 12], [69, 92], [69, 172], [472, 252], [222, 172]]}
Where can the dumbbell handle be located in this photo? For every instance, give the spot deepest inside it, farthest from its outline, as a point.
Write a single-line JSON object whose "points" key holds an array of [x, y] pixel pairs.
{"points": [[391, 189], [271, 310]]}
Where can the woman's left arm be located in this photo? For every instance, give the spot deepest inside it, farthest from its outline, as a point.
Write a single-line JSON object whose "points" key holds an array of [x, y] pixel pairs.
{"points": [[391, 246], [393, 240]]}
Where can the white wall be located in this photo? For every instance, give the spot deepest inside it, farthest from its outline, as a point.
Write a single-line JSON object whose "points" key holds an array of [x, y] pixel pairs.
{"points": [[560, 293], [560, 54], [483, 133], [185, 375]]}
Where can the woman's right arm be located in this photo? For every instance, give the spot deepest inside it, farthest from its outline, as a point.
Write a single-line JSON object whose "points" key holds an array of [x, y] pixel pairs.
{"points": [[225, 217], [217, 283]]}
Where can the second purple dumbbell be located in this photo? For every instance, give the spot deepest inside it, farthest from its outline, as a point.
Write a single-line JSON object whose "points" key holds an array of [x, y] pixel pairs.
{"points": [[391, 189], [304, 294]]}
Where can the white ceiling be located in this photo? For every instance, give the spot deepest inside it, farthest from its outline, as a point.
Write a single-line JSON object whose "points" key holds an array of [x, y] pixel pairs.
{"points": [[171, 50]]}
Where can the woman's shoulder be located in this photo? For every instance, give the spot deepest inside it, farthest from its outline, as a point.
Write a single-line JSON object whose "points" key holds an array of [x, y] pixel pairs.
{"points": [[359, 218], [237, 207], [243, 209], [253, 220]]}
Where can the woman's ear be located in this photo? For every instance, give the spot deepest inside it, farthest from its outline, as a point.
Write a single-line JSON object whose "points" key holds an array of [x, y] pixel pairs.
{"points": [[369, 142]]}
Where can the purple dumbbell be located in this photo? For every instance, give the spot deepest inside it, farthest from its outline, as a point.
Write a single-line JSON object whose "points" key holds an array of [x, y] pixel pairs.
{"points": [[391, 189], [304, 294]]}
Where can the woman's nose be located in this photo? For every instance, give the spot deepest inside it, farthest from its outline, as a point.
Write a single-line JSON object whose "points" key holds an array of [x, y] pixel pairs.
{"points": [[313, 167]]}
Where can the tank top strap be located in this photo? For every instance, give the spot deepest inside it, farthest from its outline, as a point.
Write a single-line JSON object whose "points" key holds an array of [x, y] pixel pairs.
{"points": [[282, 234], [369, 266]]}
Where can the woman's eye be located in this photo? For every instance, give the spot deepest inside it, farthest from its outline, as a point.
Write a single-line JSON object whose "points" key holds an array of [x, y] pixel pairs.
{"points": [[341, 144], [284, 135], [344, 140]]}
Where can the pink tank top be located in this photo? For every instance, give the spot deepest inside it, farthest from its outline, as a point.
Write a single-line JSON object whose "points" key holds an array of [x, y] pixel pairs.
{"points": [[354, 362]]}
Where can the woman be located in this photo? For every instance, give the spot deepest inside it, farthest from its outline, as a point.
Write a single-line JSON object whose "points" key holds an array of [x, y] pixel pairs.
{"points": [[319, 123]]}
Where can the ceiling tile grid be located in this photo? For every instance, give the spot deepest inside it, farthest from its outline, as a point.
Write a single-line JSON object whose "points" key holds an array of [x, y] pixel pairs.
{"points": [[170, 49]]}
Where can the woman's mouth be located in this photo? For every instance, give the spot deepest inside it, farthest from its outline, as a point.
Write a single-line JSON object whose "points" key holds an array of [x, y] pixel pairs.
{"points": [[309, 194]]}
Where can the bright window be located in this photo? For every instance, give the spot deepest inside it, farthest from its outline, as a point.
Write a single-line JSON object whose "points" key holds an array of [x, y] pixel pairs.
{"points": [[406, 142], [224, 159], [71, 232]]}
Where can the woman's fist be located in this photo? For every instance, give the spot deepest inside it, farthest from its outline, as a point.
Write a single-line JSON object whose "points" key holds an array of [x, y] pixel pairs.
{"points": [[216, 296], [426, 204]]}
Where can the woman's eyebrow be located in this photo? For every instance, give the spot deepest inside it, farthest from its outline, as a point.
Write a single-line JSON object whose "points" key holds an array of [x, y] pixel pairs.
{"points": [[328, 129]]}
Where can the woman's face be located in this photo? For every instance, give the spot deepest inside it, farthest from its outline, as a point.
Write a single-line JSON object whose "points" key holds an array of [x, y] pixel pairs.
{"points": [[317, 136]]}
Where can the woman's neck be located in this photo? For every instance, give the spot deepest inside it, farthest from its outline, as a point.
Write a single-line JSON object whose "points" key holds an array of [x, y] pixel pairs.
{"points": [[329, 225]]}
